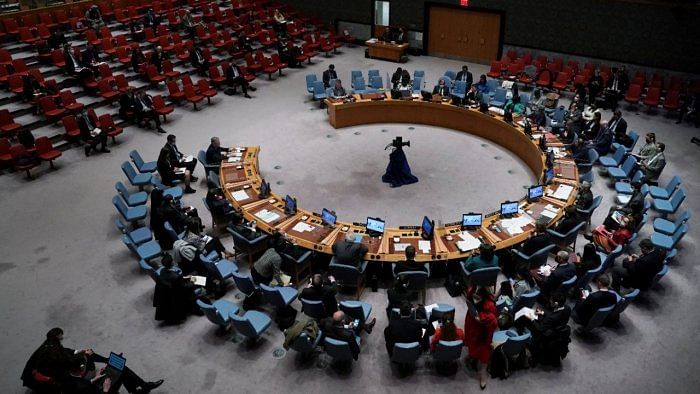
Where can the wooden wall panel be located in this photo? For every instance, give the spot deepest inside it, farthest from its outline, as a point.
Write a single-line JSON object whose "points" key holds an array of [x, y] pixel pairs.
{"points": [[464, 34]]}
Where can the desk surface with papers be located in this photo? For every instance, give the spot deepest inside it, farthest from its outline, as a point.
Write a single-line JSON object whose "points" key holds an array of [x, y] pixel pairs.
{"points": [[241, 179]]}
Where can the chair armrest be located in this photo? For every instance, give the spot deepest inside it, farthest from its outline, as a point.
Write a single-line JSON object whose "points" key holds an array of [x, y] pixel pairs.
{"points": [[363, 266]]}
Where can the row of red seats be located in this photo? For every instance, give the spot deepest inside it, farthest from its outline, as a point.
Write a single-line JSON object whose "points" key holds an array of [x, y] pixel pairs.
{"points": [[16, 155]]}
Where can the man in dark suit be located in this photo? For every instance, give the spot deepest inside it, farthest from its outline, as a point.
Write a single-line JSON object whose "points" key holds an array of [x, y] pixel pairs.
{"points": [[88, 56], [234, 78], [319, 290], [157, 58], [349, 252], [562, 273], [177, 159], [465, 76], [89, 133], [328, 75], [550, 331], [537, 241], [441, 89], [214, 152], [410, 263], [618, 127], [174, 296], [638, 271], [143, 110], [571, 219], [199, 61], [405, 329], [603, 298], [335, 327], [595, 85], [170, 169], [603, 140]]}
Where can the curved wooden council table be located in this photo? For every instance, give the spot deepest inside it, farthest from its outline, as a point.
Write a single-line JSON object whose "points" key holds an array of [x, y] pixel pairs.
{"points": [[241, 181]]}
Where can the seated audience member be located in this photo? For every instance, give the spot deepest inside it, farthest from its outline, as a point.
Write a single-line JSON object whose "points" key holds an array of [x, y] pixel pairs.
{"points": [[441, 89], [522, 283], [584, 198], [198, 61], [177, 158], [649, 149], [89, 57], [176, 214], [205, 244], [287, 52], [341, 328], [170, 173], [405, 329], [514, 106], [405, 83], [90, 133], [157, 222], [447, 331], [339, 90], [396, 78], [537, 100], [137, 59], [653, 166], [550, 332], [602, 142], [144, 111], [189, 23], [77, 380], [324, 291], [234, 78], [479, 326], [618, 127], [588, 261], [174, 297], [608, 240], [214, 152], [590, 303], [482, 86], [570, 220], [595, 86], [269, 265], [158, 57], [410, 263], [485, 259], [538, 240], [592, 127], [398, 294], [54, 361], [465, 76], [559, 275], [329, 75], [638, 271], [72, 64], [348, 251], [93, 17]]}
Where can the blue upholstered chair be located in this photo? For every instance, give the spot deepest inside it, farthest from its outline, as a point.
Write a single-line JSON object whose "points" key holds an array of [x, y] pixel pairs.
{"points": [[567, 285], [244, 283], [202, 157], [147, 251], [624, 302], [448, 80], [668, 227], [338, 350], [451, 74], [536, 259], [609, 259], [459, 90], [624, 171], [481, 276], [219, 312], [406, 354], [354, 74], [279, 296], [418, 74], [417, 280], [665, 193], [356, 309], [310, 79], [499, 98], [440, 311], [304, 344], [141, 165], [175, 191], [634, 136], [417, 85], [668, 242], [252, 324], [297, 266], [446, 353], [313, 309], [563, 241], [526, 300], [666, 207], [586, 278], [248, 246], [615, 159], [623, 199], [319, 91], [587, 213], [658, 276], [372, 73], [220, 269], [131, 215], [597, 319], [349, 276], [376, 82], [512, 343], [138, 236], [145, 267], [626, 187], [132, 199], [135, 179], [213, 178]]}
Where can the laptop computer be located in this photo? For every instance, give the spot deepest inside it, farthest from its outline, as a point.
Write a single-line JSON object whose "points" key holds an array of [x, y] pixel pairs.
{"points": [[115, 366]]}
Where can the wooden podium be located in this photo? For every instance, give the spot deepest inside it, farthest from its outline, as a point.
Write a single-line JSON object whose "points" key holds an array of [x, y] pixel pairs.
{"points": [[386, 50]]}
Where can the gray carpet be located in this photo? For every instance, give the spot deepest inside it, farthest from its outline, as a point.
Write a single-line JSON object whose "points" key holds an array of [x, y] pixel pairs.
{"points": [[63, 264]]}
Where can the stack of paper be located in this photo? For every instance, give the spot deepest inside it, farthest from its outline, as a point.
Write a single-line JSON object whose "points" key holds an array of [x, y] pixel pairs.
{"points": [[527, 312], [545, 270], [550, 211], [400, 247], [562, 192], [240, 195], [234, 159], [424, 246], [301, 227], [199, 280], [469, 242], [267, 216]]}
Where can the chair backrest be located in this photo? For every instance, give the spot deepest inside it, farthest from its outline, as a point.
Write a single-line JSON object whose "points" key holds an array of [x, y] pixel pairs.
{"points": [[566, 285], [128, 171], [121, 226], [635, 137], [448, 350], [213, 178], [638, 175], [119, 204], [121, 189], [338, 350], [372, 73], [682, 218], [526, 300], [405, 353], [376, 82], [593, 155], [539, 258], [657, 277], [460, 87], [136, 158], [355, 74], [148, 269], [244, 283], [679, 233], [515, 344], [303, 343], [448, 80], [673, 184], [272, 295], [313, 309], [598, 318], [417, 83], [619, 154], [451, 74], [212, 313], [359, 83], [310, 79], [677, 199], [416, 279], [628, 165], [170, 231], [500, 95], [623, 302], [344, 273], [243, 326], [418, 74], [484, 276], [318, 87]]}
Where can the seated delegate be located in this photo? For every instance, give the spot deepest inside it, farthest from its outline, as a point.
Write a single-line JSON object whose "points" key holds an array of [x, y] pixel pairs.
{"points": [[590, 303], [638, 271], [441, 89], [405, 329], [216, 153], [174, 297], [348, 251], [324, 291], [485, 259], [341, 328], [410, 263]]}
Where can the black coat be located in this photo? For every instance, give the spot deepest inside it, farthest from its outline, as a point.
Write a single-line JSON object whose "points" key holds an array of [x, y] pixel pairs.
{"points": [[402, 330], [340, 333], [644, 269], [470, 79], [535, 243], [326, 294], [172, 296], [349, 253], [596, 300]]}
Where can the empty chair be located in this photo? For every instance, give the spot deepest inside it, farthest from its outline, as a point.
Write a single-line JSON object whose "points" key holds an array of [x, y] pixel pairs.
{"points": [[587, 213], [141, 165], [219, 312], [310, 79], [319, 92], [175, 191], [614, 160], [135, 179], [669, 206], [512, 343], [376, 82], [356, 309], [624, 302], [252, 324], [147, 251], [213, 177], [313, 309], [132, 199], [668, 227], [624, 171], [297, 265], [406, 354], [668, 242], [459, 90], [192, 96], [418, 74], [279, 296], [626, 187], [536, 259], [248, 246], [481, 276], [417, 85], [220, 269], [499, 98], [625, 198], [45, 150], [347, 275], [244, 283], [665, 193], [131, 215], [138, 236]]}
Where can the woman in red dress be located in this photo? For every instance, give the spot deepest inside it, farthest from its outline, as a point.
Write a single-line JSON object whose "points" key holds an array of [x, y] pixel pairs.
{"points": [[608, 240], [478, 330], [448, 331]]}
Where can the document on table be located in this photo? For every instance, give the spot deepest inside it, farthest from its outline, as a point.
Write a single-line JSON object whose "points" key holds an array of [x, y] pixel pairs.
{"points": [[301, 227], [468, 242], [520, 221], [234, 159], [424, 246], [400, 247], [527, 312], [267, 216], [240, 195], [562, 192], [514, 230]]}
